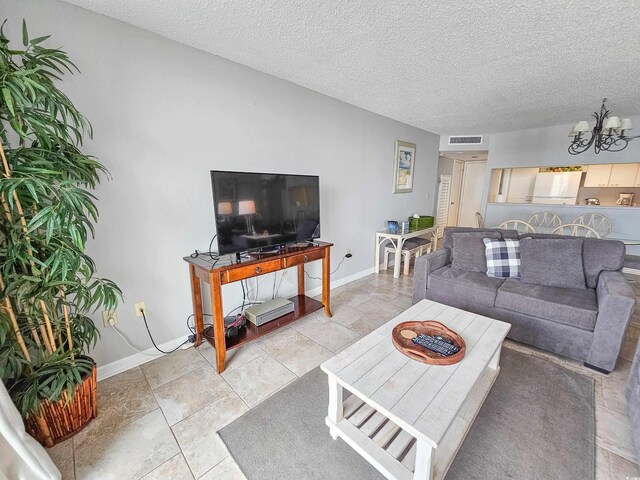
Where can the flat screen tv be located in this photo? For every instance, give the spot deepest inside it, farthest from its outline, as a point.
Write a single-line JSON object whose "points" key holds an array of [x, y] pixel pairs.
{"points": [[261, 210]]}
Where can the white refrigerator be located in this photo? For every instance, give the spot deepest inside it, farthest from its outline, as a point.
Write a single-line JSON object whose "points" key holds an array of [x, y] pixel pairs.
{"points": [[557, 188]]}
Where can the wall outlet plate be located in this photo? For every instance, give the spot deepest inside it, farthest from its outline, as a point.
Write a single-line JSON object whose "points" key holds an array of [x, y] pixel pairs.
{"points": [[139, 308], [109, 315]]}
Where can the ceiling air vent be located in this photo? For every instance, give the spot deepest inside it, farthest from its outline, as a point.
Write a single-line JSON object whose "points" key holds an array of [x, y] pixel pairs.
{"points": [[465, 140]]}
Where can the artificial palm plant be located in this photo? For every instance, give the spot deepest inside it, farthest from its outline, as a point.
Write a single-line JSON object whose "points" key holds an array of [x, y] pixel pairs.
{"points": [[47, 282]]}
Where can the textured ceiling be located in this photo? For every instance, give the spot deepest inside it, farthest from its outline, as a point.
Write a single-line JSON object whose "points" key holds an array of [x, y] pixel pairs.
{"points": [[448, 67]]}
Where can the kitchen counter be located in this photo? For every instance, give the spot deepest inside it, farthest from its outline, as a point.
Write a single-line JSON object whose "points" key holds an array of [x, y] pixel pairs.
{"points": [[581, 205]]}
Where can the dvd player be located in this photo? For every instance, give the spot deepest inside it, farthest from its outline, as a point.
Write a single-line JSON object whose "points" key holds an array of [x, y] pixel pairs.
{"points": [[268, 311]]}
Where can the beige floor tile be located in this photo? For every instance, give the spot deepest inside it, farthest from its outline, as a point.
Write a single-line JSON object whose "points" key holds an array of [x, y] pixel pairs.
{"points": [[236, 357], [345, 315], [175, 469], [621, 468], [129, 452], [62, 455], [613, 432], [167, 368], [198, 437], [368, 323], [629, 348], [603, 470], [226, 470], [613, 394], [186, 395], [122, 399], [352, 299], [287, 347], [325, 332], [376, 307], [258, 379]]}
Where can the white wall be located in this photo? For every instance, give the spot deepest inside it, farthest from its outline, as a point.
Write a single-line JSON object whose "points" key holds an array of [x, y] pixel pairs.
{"points": [[165, 114]]}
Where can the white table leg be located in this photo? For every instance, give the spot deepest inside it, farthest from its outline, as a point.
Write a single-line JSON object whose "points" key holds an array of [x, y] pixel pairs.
{"points": [[398, 258], [336, 412], [494, 363], [377, 264], [424, 461]]}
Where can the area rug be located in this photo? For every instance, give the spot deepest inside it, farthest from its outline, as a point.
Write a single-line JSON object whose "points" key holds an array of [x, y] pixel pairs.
{"points": [[537, 422]]}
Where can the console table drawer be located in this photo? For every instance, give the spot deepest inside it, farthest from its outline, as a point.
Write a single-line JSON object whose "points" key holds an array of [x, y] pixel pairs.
{"points": [[302, 258], [251, 271]]}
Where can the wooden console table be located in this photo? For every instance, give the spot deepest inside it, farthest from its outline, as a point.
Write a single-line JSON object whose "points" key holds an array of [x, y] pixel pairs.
{"points": [[226, 270]]}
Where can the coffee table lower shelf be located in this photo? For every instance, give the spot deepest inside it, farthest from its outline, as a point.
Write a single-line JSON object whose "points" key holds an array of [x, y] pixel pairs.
{"points": [[392, 450]]}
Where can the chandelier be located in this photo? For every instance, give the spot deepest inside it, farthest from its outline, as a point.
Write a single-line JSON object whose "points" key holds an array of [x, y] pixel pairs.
{"points": [[609, 133]]}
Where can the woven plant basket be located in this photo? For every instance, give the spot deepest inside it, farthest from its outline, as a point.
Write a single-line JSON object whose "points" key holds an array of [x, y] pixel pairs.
{"points": [[60, 420]]}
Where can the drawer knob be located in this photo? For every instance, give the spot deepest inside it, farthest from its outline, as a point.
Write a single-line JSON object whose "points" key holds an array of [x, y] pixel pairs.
{"points": [[305, 258], [258, 269]]}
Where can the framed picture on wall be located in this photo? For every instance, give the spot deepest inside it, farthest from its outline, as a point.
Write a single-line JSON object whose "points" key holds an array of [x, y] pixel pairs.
{"points": [[403, 167]]}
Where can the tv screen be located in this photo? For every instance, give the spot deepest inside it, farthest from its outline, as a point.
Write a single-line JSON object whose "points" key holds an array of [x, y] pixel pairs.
{"points": [[257, 210]]}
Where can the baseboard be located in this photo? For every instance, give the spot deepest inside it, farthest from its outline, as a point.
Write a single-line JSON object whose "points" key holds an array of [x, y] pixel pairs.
{"points": [[119, 366]]}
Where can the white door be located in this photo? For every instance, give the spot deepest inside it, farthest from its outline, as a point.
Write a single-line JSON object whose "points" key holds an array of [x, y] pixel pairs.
{"points": [[456, 188], [471, 196]]}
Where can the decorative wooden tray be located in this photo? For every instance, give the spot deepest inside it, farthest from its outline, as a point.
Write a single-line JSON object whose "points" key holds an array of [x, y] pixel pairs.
{"points": [[405, 331]]}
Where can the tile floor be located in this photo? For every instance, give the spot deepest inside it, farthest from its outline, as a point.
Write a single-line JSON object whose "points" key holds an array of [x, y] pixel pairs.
{"points": [[159, 420]]}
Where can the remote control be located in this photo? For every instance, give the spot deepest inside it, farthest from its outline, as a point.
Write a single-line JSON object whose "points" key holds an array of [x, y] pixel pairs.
{"points": [[436, 344]]}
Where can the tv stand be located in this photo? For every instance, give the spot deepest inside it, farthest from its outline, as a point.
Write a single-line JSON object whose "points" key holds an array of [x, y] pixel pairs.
{"points": [[233, 268]]}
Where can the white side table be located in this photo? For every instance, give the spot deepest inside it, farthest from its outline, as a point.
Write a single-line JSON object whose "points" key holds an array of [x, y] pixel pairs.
{"points": [[397, 240]]}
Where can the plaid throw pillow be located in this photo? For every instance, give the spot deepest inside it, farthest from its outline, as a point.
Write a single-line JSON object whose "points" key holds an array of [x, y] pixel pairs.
{"points": [[503, 257]]}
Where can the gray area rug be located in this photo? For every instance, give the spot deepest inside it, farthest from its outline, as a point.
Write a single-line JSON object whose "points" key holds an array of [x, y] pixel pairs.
{"points": [[538, 422]]}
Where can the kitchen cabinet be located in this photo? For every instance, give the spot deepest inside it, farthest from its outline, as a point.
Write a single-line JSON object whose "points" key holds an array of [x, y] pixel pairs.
{"points": [[598, 176], [623, 175]]}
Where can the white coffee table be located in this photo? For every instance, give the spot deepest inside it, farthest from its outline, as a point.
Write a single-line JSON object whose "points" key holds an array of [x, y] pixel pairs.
{"points": [[406, 418]]}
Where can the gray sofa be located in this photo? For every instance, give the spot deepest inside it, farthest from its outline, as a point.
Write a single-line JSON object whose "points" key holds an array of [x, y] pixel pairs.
{"points": [[633, 396], [586, 322]]}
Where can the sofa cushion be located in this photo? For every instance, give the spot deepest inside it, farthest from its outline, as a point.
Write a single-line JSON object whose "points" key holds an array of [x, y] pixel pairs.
{"points": [[568, 306], [600, 255], [468, 251], [474, 286], [552, 262], [503, 257]]}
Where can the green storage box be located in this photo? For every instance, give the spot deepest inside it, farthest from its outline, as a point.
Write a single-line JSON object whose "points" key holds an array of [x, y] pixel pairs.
{"points": [[425, 221]]}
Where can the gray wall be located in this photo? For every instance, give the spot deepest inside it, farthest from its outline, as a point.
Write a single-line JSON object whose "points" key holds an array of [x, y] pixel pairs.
{"points": [[548, 146], [165, 114]]}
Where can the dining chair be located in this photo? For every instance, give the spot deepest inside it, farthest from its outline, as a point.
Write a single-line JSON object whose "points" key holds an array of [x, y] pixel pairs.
{"points": [[519, 225], [576, 230], [545, 222], [596, 221]]}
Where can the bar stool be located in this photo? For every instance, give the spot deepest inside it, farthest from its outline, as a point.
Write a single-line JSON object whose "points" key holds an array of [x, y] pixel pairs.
{"points": [[413, 247]]}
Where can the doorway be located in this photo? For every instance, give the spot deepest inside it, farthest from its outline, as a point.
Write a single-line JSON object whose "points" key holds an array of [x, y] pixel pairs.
{"points": [[471, 194], [466, 171]]}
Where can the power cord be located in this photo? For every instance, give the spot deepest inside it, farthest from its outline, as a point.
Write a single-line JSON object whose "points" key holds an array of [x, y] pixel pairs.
{"points": [[144, 317], [348, 255], [215, 256], [131, 346]]}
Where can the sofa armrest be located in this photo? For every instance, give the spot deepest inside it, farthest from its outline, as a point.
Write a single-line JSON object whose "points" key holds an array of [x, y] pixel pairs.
{"points": [[616, 302], [424, 265]]}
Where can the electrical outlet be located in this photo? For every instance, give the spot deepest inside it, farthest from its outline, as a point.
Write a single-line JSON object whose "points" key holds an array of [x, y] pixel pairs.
{"points": [[349, 254], [139, 308], [109, 315]]}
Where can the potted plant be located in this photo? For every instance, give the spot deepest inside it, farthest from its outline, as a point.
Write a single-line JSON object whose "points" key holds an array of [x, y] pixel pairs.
{"points": [[47, 281]]}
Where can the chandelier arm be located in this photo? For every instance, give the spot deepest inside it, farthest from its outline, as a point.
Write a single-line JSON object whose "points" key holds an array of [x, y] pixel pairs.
{"points": [[581, 145]]}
